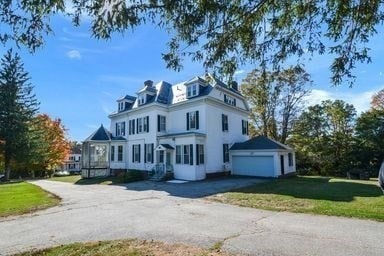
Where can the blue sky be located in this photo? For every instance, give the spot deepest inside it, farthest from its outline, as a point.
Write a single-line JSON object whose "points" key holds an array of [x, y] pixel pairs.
{"points": [[78, 79]]}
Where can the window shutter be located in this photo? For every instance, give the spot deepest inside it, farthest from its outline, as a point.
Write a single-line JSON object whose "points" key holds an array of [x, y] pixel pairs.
{"points": [[223, 153], [242, 126], [152, 156], [197, 155], [187, 121], [137, 125], [247, 128], [234, 102], [190, 154], [129, 127], [139, 153], [225, 98], [133, 153], [158, 123], [145, 153], [147, 124], [133, 126], [197, 120], [222, 122], [116, 129], [123, 129]]}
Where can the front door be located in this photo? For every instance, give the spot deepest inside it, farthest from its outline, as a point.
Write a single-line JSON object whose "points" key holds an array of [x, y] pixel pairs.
{"points": [[161, 157], [282, 164], [168, 158]]}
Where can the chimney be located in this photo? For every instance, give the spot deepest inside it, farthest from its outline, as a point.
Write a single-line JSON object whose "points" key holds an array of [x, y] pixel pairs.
{"points": [[234, 85], [148, 83]]}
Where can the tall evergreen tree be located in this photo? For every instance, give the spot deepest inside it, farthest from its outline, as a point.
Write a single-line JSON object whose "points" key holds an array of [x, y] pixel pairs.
{"points": [[18, 105]]}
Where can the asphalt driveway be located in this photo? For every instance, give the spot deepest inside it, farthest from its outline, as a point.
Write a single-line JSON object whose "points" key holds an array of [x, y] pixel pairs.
{"points": [[178, 213]]}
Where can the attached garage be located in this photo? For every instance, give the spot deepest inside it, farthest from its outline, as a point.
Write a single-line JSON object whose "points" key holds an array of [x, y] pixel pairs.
{"points": [[262, 157]]}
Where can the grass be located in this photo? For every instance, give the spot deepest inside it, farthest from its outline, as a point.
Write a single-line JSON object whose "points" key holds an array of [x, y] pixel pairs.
{"points": [[22, 197], [130, 176], [316, 195], [132, 247]]}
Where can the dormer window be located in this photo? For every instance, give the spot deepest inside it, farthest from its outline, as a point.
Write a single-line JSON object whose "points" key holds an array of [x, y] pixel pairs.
{"points": [[192, 90], [229, 100], [121, 106], [141, 99]]}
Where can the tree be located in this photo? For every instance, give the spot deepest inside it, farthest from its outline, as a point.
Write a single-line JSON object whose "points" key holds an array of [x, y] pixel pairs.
{"points": [[378, 100], [370, 139], [50, 147], [276, 99], [18, 105], [222, 34], [323, 137]]}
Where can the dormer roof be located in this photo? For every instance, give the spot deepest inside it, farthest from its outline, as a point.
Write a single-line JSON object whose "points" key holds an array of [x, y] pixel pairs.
{"points": [[128, 98]]}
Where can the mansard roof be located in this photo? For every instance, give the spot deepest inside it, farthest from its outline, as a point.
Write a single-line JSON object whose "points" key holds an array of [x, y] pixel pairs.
{"points": [[168, 94]]}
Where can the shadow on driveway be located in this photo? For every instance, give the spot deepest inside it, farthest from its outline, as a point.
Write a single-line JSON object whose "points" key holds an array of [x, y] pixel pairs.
{"points": [[195, 189]]}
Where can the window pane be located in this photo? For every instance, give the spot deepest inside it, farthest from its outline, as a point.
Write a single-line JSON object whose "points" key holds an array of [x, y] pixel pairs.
{"points": [[186, 154]]}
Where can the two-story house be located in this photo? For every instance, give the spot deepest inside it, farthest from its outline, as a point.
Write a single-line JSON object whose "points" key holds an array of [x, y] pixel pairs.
{"points": [[187, 128]]}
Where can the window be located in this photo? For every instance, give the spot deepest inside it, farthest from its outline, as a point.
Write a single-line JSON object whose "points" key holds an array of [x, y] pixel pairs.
{"points": [[131, 124], [112, 153], [141, 99], [193, 120], [199, 154], [192, 90], [229, 100], [120, 153], [136, 153], [143, 124], [121, 106], [178, 154], [224, 122], [120, 129], [139, 125], [290, 159], [244, 127], [148, 152], [161, 123], [186, 154], [225, 153]]}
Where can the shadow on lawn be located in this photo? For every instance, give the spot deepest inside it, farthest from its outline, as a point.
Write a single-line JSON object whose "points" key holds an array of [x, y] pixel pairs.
{"points": [[316, 188]]}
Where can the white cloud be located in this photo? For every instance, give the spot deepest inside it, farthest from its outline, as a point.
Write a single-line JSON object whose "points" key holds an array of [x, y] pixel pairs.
{"points": [[74, 54], [360, 100], [239, 72]]}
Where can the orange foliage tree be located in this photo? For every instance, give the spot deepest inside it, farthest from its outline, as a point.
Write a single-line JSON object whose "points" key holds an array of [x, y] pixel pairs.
{"points": [[51, 145]]}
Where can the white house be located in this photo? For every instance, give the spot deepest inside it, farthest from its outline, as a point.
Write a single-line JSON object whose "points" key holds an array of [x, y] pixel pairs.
{"points": [[187, 128]]}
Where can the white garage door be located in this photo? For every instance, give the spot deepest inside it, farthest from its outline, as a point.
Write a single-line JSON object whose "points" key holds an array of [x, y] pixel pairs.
{"points": [[253, 166]]}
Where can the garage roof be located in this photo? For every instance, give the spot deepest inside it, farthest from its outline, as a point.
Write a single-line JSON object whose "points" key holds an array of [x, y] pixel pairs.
{"points": [[259, 143]]}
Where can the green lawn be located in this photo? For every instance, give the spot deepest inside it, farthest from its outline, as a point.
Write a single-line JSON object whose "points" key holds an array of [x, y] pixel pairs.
{"points": [[317, 195], [111, 180], [22, 197], [126, 248]]}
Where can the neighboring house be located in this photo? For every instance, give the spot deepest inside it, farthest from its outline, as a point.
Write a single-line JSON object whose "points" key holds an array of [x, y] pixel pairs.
{"points": [[73, 163], [187, 128], [261, 156]]}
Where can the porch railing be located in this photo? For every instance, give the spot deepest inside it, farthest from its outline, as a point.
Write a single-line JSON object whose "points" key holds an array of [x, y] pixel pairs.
{"points": [[160, 170]]}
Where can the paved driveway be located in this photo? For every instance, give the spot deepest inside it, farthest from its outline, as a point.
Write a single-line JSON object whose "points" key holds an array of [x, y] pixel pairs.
{"points": [[175, 213]]}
